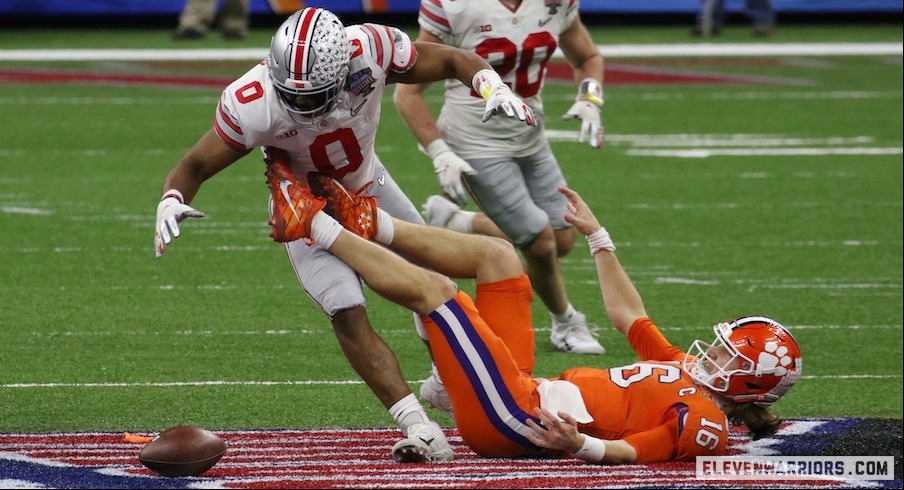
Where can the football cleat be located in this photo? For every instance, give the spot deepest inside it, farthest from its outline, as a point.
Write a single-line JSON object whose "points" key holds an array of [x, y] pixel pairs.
{"points": [[278, 168], [356, 212], [292, 208], [426, 443], [434, 393], [574, 336]]}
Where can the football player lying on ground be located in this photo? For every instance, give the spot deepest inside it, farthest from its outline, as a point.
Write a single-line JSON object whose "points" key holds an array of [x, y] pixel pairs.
{"points": [[668, 406]]}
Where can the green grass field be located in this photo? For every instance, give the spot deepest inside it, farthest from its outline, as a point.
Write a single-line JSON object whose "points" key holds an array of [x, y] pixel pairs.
{"points": [[795, 213]]}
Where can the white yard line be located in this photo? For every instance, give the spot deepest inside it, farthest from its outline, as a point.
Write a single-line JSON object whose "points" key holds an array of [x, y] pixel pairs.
{"points": [[325, 382], [746, 152]]}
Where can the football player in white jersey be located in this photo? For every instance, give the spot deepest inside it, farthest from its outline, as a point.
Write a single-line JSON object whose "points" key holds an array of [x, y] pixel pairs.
{"points": [[315, 105], [508, 168]]}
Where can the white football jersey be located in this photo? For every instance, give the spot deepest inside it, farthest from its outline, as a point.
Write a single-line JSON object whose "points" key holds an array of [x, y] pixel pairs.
{"points": [[341, 144], [518, 44]]}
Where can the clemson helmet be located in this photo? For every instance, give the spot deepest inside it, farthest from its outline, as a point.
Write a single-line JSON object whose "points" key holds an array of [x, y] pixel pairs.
{"points": [[308, 57], [765, 360]]}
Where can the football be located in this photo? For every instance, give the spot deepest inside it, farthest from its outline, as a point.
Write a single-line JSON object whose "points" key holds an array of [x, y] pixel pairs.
{"points": [[184, 450]]}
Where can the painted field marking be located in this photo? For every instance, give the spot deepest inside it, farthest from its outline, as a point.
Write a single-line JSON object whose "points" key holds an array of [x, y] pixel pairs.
{"points": [[170, 384], [748, 152]]}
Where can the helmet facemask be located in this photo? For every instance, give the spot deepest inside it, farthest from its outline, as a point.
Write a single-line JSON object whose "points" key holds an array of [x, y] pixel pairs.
{"points": [[308, 64], [752, 359]]}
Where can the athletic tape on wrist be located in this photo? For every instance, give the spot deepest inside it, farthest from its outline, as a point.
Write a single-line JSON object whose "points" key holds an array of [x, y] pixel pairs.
{"points": [[485, 81], [592, 451], [590, 90], [600, 240]]}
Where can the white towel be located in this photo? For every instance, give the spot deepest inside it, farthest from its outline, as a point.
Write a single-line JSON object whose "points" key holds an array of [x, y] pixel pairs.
{"points": [[564, 396]]}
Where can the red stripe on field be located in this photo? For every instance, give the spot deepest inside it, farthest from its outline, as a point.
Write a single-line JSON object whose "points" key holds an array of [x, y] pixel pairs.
{"points": [[620, 74], [349, 458], [625, 74], [32, 77]]}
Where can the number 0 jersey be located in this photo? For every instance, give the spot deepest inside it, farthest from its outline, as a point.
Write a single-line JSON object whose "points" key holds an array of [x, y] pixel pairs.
{"points": [[341, 144]]}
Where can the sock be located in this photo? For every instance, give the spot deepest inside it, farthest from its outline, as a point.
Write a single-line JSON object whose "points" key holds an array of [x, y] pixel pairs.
{"points": [[419, 326], [408, 411], [385, 228], [435, 372], [324, 229], [462, 221], [563, 317]]}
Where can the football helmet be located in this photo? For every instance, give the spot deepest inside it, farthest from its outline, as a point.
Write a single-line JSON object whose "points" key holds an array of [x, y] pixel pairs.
{"points": [[308, 62], [763, 360]]}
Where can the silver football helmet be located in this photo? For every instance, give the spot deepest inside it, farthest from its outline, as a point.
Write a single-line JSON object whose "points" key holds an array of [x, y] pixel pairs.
{"points": [[308, 62]]}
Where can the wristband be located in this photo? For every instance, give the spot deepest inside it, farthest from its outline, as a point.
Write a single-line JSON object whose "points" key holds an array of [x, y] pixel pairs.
{"points": [[325, 230], [590, 90], [485, 81], [592, 451], [173, 193], [600, 240]]}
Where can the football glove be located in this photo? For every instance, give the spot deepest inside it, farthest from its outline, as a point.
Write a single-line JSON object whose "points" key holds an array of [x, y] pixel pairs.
{"points": [[587, 108], [449, 169], [500, 97], [170, 212]]}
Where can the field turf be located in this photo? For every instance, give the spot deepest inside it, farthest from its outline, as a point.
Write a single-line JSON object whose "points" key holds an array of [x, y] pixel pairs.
{"points": [[771, 185]]}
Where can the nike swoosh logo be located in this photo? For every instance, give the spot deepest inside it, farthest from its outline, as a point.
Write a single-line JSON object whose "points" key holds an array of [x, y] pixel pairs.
{"points": [[543, 22], [382, 179], [284, 187], [354, 110]]}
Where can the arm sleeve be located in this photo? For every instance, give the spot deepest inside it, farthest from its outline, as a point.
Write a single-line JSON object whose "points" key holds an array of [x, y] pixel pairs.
{"points": [[687, 432], [650, 344], [655, 445]]}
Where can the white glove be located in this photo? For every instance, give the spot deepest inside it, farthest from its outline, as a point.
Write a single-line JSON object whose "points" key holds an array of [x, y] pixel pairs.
{"points": [[500, 97], [170, 212], [587, 106], [449, 168]]}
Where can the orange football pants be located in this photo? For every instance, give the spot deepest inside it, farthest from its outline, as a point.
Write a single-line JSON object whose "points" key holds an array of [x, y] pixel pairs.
{"points": [[485, 356]]}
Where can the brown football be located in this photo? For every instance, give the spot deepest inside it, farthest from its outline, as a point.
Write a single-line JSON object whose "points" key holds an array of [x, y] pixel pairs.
{"points": [[184, 450]]}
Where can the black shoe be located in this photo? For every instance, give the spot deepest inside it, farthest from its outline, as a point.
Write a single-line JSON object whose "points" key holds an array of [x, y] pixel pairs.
{"points": [[188, 33]]}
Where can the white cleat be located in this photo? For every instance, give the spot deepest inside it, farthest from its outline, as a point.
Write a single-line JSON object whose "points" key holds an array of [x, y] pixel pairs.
{"points": [[438, 211], [433, 391], [426, 443], [574, 336]]}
